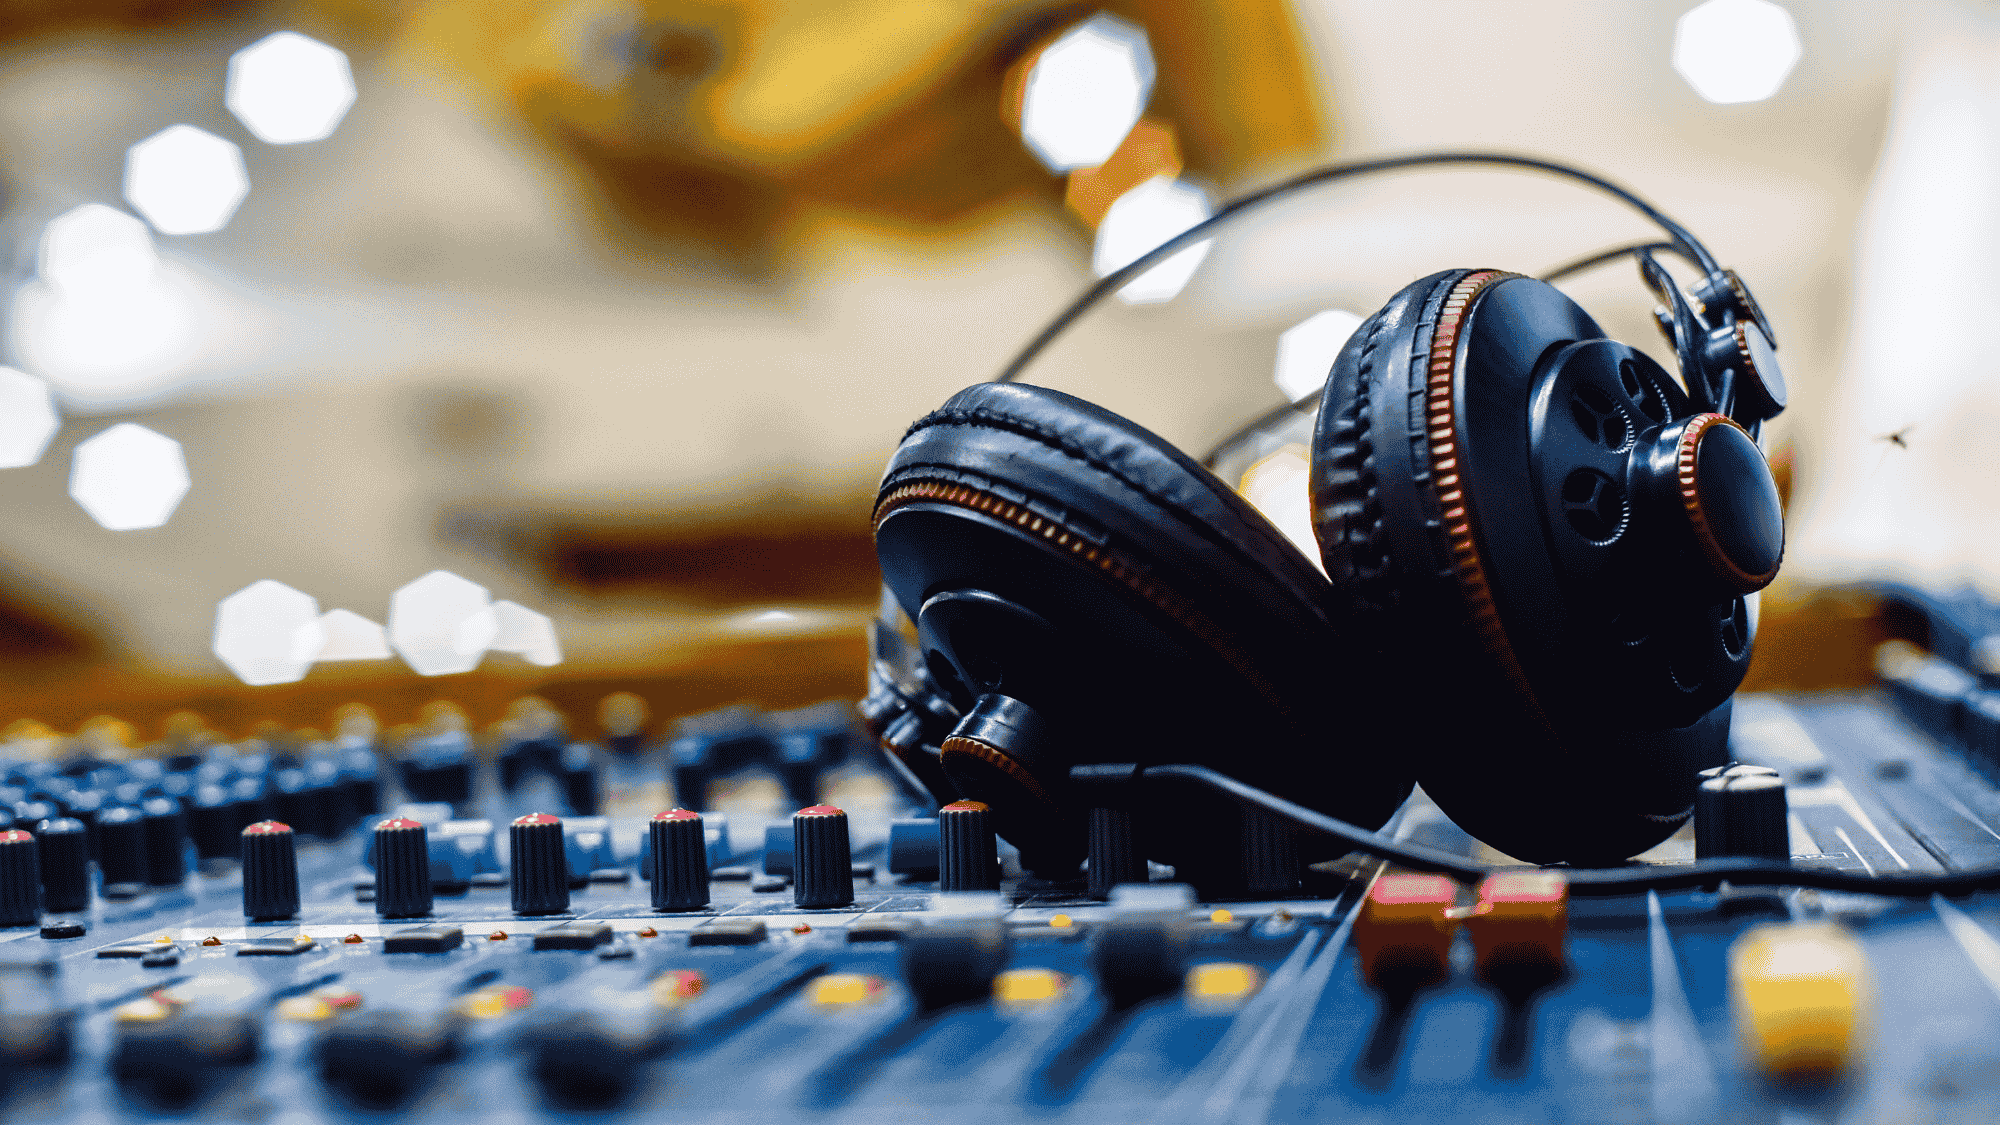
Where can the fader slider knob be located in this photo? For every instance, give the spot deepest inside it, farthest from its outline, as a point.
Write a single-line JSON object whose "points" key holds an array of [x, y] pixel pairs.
{"points": [[20, 878], [967, 859], [822, 859], [540, 876], [270, 872], [680, 861], [402, 869]]}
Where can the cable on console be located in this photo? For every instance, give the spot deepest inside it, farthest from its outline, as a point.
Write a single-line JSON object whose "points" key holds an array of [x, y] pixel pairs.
{"points": [[1591, 881]]}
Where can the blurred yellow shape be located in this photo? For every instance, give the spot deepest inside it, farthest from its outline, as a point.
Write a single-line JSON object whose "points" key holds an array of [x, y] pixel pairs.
{"points": [[1222, 984], [1802, 994], [840, 990], [1027, 986]]}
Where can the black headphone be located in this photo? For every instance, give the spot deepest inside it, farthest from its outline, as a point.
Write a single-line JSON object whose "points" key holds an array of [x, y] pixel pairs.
{"points": [[1537, 547]]}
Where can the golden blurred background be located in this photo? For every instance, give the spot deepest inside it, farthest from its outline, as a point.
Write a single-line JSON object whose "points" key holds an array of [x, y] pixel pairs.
{"points": [[614, 308]]}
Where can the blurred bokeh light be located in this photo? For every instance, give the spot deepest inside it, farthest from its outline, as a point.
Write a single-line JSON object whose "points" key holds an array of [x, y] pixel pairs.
{"points": [[27, 419], [1307, 349], [94, 247], [268, 633], [185, 180], [1140, 220], [288, 89], [1734, 51], [350, 636], [129, 477], [441, 624], [527, 634], [1085, 93]]}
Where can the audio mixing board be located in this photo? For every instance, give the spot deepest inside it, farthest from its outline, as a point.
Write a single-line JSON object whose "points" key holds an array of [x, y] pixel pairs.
{"points": [[543, 983]]}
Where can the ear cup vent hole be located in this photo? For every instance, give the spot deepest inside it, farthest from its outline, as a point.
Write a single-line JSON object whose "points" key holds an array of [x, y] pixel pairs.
{"points": [[1600, 419], [1736, 629], [1594, 504], [1642, 392]]}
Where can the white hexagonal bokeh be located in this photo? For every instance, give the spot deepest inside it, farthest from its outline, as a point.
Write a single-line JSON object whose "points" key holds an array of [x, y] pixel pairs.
{"points": [[94, 247], [528, 634], [1734, 51], [185, 180], [441, 623], [1307, 349], [350, 636], [1085, 92], [268, 633], [288, 89], [129, 477], [1142, 219], [27, 418]]}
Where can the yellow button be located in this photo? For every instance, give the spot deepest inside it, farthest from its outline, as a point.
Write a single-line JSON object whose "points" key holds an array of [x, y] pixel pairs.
{"points": [[1803, 996], [1521, 923], [1027, 987], [144, 1010], [1061, 922], [495, 1001], [841, 990], [304, 1009], [1222, 985]]}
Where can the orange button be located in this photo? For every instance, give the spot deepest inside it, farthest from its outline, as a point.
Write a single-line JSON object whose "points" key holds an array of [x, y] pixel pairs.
{"points": [[1520, 924], [1404, 933]]}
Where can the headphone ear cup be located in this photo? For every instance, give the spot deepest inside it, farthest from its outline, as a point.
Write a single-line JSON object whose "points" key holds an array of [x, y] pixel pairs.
{"points": [[1085, 593], [1434, 529]]}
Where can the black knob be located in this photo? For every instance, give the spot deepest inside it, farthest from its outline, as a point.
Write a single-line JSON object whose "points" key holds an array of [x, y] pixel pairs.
{"points": [[822, 858], [166, 840], [967, 856], [121, 847], [680, 861], [953, 963], [326, 801], [1113, 859], [362, 776], [65, 848], [1741, 811], [402, 869], [248, 797], [20, 878], [578, 773], [85, 806], [212, 823], [270, 872], [540, 876]]}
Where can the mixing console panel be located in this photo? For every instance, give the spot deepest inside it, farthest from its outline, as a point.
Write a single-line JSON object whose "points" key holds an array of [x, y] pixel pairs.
{"points": [[263, 939]]}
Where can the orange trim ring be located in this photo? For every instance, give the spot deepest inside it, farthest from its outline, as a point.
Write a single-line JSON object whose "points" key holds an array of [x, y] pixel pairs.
{"points": [[993, 756], [1454, 505], [1686, 464]]}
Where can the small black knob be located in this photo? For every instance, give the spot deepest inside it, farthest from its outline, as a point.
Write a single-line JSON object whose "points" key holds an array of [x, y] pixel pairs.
{"points": [[1113, 859], [65, 848], [85, 806], [1741, 811], [577, 771], [248, 796], [326, 801], [540, 876], [967, 856], [20, 878], [362, 776], [402, 869], [822, 858], [212, 823], [121, 846], [166, 839], [270, 872], [680, 861]]}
